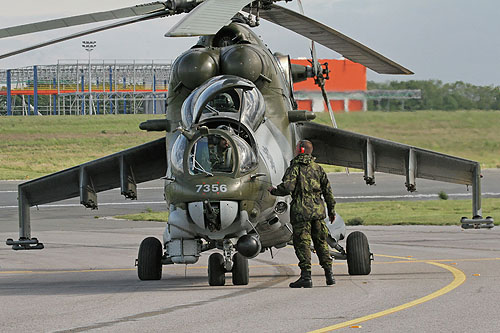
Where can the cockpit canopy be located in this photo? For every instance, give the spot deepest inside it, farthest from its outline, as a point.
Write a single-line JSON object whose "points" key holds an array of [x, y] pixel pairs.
{"points": [[211, 153], [226, 96], [217, 152], [221, 117]]}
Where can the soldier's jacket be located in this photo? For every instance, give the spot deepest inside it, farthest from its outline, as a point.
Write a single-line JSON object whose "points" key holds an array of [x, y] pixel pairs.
{"points": [[306, 181], [219, 158]]}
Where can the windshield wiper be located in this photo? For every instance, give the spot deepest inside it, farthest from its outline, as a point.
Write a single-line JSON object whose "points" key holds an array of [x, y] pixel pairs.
{"points": [[199, 167], [212, 109]]}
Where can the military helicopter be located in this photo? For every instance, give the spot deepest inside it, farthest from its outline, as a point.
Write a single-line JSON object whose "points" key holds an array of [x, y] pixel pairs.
{"points": [[231, 126]]}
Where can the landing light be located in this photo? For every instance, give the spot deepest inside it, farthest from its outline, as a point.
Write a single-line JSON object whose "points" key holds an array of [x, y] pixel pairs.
{"points": [[280, 207]]}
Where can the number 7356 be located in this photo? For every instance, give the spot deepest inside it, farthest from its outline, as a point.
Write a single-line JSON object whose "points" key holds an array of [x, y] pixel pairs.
{"points": [[205, 188]]}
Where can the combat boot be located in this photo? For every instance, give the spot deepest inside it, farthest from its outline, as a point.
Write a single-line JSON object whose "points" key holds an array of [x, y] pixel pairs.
{"points": [[329, 276], [304, 281]]}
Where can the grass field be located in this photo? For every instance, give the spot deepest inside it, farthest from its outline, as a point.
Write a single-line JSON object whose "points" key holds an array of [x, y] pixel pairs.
{"points": [[431, 212], [428, 212], [31, 147], [472, 135]]}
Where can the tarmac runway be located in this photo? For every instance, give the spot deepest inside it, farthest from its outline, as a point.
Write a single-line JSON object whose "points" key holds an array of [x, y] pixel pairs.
{"points": [[423, 278]]}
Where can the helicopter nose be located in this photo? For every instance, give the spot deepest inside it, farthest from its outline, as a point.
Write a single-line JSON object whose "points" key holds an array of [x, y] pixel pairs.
{"points": [[213, 215]]}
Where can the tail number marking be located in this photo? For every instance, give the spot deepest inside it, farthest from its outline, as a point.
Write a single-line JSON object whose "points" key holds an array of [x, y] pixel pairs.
{"points": [[206, 188]]}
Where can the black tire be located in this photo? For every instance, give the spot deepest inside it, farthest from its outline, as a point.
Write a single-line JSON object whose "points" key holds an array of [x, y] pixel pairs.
{"points": [[358, 254], [216, 270], [240, 270], [149, 260]]}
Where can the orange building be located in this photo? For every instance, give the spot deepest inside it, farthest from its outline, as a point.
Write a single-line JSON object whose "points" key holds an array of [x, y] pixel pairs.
{"points": [[346, 87]]}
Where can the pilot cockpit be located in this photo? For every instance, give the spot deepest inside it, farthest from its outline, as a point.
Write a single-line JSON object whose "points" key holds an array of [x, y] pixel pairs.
{"points": [[224, 96], [213, 153], [209, 154], [218, 121], [224, 102]]}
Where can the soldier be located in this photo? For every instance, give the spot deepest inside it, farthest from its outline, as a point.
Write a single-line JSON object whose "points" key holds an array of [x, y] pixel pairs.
{"points": [[220, 157], [306, 181]]}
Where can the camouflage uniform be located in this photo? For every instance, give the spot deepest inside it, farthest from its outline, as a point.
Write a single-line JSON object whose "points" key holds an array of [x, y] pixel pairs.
{"points": [[219, 158], [306, 181]]}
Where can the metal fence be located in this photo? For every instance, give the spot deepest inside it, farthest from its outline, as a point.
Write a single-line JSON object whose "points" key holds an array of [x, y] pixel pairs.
{"points": [[80, 87]]}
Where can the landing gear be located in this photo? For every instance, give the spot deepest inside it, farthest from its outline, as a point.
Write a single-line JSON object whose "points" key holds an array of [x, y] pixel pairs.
{"points": [[219, 264], [240, 270], [216, 270], [149, 259], [358, 254]]}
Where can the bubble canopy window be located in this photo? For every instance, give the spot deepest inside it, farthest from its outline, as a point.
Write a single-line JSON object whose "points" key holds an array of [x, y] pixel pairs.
{"points": [[227, 94], [212, 153], [216, 152]]}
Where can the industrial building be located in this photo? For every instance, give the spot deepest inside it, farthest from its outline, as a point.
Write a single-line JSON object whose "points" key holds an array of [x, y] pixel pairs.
{"points": [[117, 86], [346, 88]]}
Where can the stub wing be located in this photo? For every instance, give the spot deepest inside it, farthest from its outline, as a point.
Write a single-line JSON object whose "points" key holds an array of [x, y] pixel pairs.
{"points": [[123, 170], [339, 147]]}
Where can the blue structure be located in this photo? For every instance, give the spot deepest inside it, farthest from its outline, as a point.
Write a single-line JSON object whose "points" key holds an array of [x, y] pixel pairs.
{"points": [[154, 90], [97, 97], [110, 88], [9, 93], [124, 100], [141, 87], [83, 97], [35, 90], [54, 98]]}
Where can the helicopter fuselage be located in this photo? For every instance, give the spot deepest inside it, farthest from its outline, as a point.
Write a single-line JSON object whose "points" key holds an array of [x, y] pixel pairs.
{"points": [[228, 87]]}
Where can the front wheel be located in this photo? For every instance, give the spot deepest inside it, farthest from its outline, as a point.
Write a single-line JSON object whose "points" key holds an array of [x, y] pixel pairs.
{"points": [[149, 259], [240, 270], [216, 270], [358, 254]]}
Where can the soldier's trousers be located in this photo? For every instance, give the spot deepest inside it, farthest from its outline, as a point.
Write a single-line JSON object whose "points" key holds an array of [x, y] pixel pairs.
{"points": [[303, 233]]}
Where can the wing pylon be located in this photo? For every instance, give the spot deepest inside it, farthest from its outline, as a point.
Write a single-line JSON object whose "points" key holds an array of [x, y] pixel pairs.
{"points": [[123, 170], [348, 149]]}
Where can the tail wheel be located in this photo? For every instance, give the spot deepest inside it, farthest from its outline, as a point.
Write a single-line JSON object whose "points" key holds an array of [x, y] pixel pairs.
{"points": [[358, 254], [240, 270], [149, 259], [216, 270]]}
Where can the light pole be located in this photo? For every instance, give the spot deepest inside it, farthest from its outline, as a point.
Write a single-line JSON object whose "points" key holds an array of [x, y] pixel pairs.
{"points": [[89, 46]]}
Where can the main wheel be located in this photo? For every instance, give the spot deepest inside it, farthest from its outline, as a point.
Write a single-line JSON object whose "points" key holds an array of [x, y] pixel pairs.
{"points": [[358, 254], [240, 270], [149, 259], [216, 270]]}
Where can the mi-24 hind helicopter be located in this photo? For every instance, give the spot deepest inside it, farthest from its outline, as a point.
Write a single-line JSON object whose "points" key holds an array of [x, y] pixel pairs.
{"points": [[231, 126]]}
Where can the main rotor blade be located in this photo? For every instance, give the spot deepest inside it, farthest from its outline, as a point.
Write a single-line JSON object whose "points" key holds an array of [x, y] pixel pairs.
{"points": [[347, 47], [86, 32], [138, 10], [207, 18]]}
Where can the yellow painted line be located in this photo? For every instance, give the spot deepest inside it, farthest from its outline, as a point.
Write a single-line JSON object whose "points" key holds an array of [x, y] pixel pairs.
{"points": [[393, 257], [405, 261], [458, 279], [176, 266]]}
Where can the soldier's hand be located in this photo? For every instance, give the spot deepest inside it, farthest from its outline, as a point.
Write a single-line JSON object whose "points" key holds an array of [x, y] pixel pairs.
{"points": [[332, 218], [270, 189]]}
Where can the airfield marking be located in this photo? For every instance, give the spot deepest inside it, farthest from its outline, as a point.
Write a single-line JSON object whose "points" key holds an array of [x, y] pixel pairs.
{"points": [[406, 261], [406, 196], [414, 196], [69, 271], [100, 204], [458, 278]]}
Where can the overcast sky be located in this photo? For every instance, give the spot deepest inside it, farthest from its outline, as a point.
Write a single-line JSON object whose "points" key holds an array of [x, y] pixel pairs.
{"points": [[449, 40]]}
